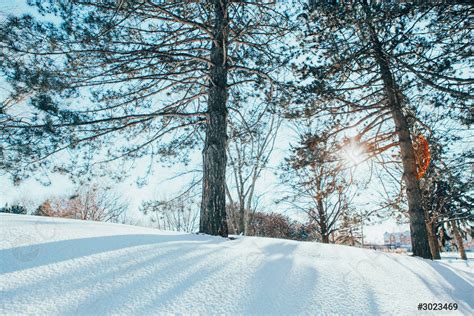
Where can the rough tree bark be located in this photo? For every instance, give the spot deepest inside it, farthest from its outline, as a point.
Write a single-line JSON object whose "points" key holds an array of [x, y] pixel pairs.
{"points": [[419, 234], [433, 241], [459, 241], [213, 214]]}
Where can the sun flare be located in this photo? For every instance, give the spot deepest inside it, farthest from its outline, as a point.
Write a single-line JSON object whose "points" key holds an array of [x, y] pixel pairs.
{"points": [[352, 153]]}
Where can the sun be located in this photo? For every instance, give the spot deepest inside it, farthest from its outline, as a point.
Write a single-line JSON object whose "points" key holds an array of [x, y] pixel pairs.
{"points": [[352, 153]]}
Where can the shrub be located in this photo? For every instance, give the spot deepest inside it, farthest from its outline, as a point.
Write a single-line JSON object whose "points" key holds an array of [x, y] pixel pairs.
{"points": [[14, 209]]}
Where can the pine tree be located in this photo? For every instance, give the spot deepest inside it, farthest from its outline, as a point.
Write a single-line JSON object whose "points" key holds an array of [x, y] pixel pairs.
{"points": [[318, 184], [373, 67], [158, 73], [448, 201], [349, 232], [14, 209]]}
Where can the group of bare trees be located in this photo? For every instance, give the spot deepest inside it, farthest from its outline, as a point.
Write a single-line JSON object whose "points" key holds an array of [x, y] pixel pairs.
{"points": [[178, 214], [161, 78], [88, 202]]}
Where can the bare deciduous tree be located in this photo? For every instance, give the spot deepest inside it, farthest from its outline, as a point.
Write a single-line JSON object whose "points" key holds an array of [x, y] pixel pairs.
{"points": [[252, 139]]}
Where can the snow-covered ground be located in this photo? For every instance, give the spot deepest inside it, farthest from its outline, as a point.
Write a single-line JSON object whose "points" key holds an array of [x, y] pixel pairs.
{"points": [[57, 266], [453, 259]]}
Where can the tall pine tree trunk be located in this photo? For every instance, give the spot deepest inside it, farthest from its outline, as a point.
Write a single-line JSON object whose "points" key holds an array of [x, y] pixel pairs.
{"points": [[213, 214], [419, 234], [459, 241]]}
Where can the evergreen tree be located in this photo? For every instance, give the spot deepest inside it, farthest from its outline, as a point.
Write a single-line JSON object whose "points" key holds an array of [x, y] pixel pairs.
{"points": [[448, 201], [14, 209], [157, 73], [318, 183], [373, 67], [350, 231]]}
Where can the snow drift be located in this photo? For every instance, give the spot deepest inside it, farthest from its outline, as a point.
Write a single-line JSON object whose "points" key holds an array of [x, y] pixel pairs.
{"points": [[58, 266]]}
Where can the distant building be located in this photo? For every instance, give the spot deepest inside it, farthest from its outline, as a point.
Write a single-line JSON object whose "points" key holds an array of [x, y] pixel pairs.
{"points": [[403, 240], [397, 240]]}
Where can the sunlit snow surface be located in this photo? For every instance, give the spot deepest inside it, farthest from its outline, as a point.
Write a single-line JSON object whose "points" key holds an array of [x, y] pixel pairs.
{"points": [[57, 266]]}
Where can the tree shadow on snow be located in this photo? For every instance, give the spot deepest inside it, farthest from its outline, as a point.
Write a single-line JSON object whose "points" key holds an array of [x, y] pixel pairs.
{"points": [[36, 255], [276, 287], [460, 289]]}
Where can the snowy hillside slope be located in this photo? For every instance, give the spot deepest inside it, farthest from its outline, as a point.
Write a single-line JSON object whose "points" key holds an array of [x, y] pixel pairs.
{"points": [[58, 266]]}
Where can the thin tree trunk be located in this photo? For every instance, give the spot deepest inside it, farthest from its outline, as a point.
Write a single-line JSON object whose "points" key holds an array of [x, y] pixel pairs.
{"points": [[433, 241], [419, 235], [248, 218], [459, 241], [442, 237], [242, 219], [213, 218], [323, 227]]}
